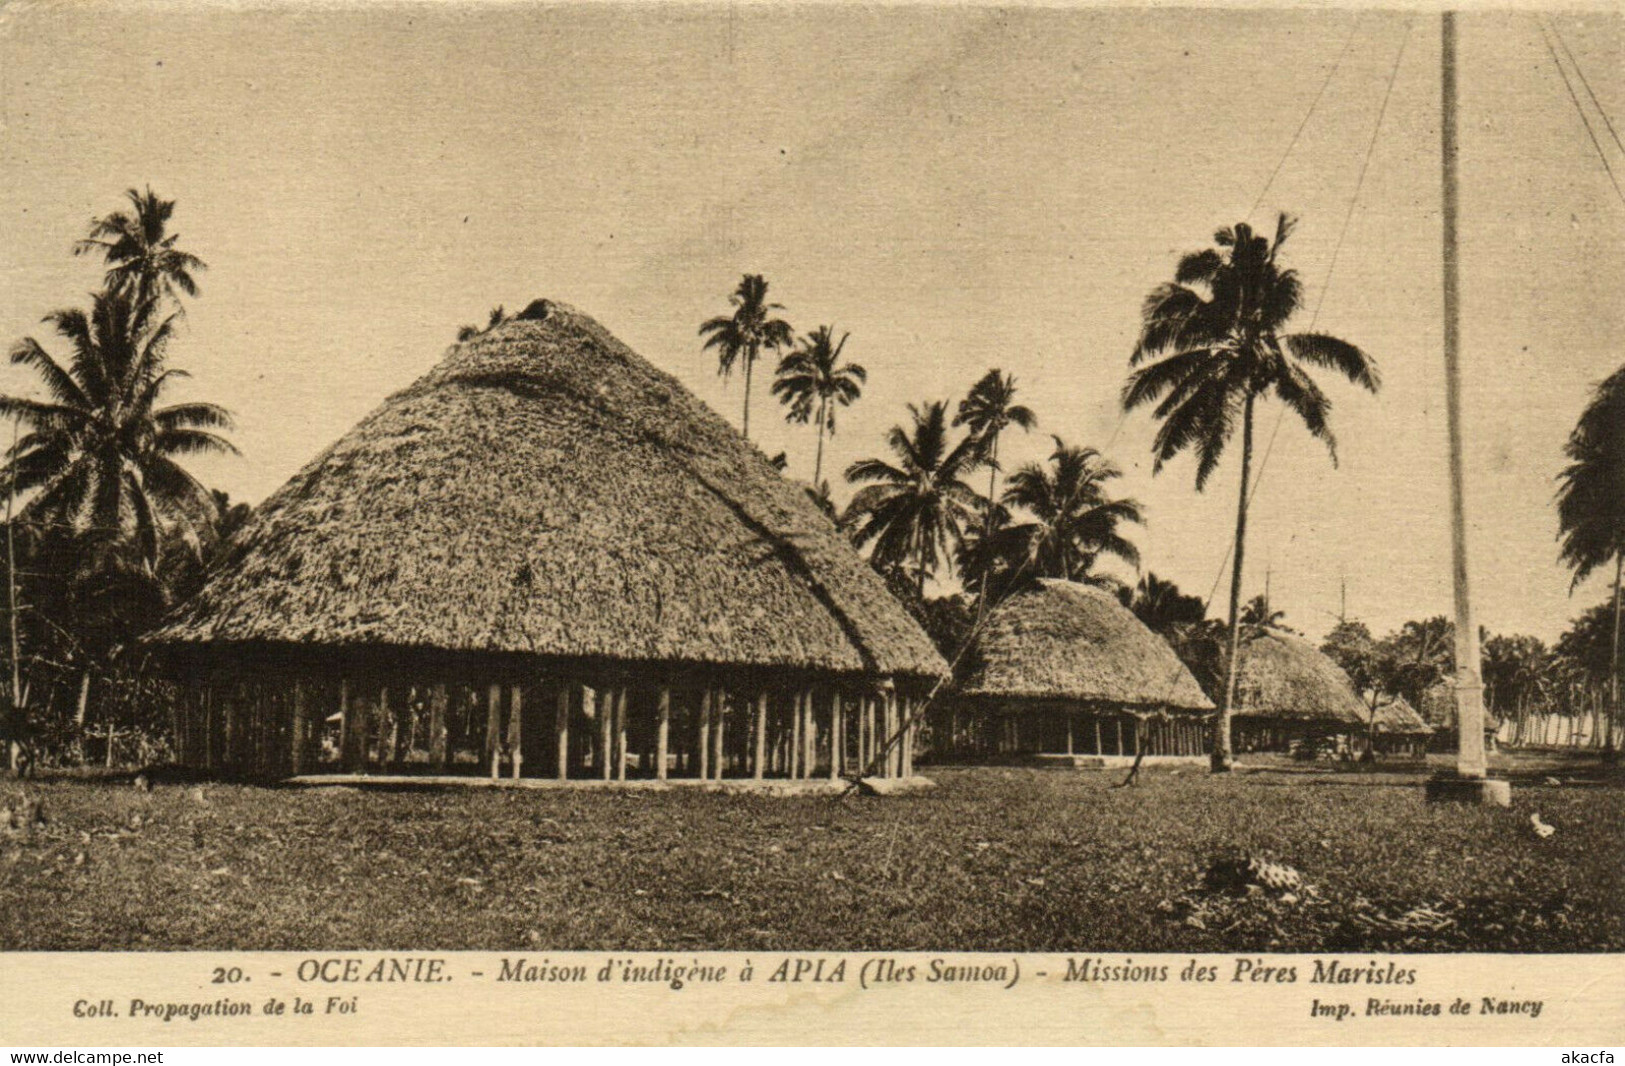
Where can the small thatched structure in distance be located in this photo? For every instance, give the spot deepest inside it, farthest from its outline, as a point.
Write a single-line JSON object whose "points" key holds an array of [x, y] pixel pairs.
{"points": [[544, 558], [1437, 705], [1398, 729], [1065, 669]]}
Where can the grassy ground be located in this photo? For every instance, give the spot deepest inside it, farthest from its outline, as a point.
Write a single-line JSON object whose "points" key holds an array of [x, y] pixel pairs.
{"points": [[995, 859]]}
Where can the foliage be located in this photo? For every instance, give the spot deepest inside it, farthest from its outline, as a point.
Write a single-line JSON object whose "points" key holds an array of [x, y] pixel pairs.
{"points": [[742, 336], [812, 383], [1162, 606], [139, 251], [1590, 505], [1073, 518], [914, 509]]}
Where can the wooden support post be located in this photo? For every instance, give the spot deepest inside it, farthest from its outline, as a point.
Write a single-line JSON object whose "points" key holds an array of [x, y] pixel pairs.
{"points": [[561, 734], [796, 744], [301, 729], [347, 728], [704, 743], [911, 733], [809, 736], [386, 729], [1069, 739], [493, 728], [606, 734], [620, 733], [837, 735], [516, 733], [759, 765], [663, 733], [438, 702], [1119, 722], [720, 761]]}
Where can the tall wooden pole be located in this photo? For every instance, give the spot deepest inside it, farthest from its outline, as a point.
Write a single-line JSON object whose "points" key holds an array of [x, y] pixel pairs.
{"points": [[1469, 687], [663, 733]]}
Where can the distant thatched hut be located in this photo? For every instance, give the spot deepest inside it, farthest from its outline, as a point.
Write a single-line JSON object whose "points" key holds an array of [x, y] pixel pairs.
{"points": [[1287, 692], [1397, 729], [1438, 708], [1065, 669], [544, 558]]}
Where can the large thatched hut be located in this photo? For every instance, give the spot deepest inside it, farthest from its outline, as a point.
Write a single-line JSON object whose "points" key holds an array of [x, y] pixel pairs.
{"points": [[1064, 669], [545, 558]]}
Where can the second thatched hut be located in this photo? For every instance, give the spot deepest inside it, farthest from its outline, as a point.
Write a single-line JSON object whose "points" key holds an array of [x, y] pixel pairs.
{"points": [[1288, 694], [1063, 669]]}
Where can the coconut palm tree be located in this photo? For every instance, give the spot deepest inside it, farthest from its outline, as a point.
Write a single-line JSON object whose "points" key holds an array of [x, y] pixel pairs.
{"points": [[99, 456], [742, 336], [812, 382], [1258, 613], [1161, 605], [988, 410], [1591, 503], [914, 511], [1211, 345], [1074, 520], [140, 251]]}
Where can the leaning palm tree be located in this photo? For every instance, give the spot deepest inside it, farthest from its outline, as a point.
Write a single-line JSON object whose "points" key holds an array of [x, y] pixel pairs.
{"points": [[1210, 347], [813, 383], [742, 336], [1074, 520], [98, 457], [914, 511], [140, 251], [1591, 503], [988, 410]]}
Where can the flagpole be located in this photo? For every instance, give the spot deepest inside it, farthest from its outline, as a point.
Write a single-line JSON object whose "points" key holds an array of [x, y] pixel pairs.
{"points": [[1471, 778]]}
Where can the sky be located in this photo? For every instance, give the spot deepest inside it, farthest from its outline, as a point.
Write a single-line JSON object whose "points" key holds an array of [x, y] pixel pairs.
{"points": [[958, 187]]}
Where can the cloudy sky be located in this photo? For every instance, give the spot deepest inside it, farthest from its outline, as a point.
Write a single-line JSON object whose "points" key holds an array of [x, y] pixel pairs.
{"points": [[959, 188]]}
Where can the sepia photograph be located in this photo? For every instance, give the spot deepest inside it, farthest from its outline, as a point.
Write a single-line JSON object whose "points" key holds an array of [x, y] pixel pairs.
{"points": [[753, 478]]}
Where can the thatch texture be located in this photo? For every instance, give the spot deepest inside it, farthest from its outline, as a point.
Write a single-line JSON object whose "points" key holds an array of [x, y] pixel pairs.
{"points": [[1062, 641], [546, 491], [1284, 677], [1396, 717]]}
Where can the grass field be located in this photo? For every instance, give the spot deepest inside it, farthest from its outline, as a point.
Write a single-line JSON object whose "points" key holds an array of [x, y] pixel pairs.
{"points": [[994, 859]]}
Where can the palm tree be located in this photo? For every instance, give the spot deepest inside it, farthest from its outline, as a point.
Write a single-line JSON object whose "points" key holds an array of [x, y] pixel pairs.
{"points": [[1258, 613], [1161, 605], [99, 455], [1590, 503], [811, 379], [989, 409], [741, 336], [1209, 348], [1074, 519], [914, 511], [139, 251]]}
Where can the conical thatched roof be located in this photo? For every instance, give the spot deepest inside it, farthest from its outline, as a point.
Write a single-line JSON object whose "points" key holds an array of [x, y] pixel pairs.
{"points": [[1284, 676], [1398, 718], [544, 490], [1059, 640]]}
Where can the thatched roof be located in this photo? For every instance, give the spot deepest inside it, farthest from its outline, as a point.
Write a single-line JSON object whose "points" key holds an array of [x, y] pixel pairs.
{"points": [[1397, 717], [544, 490], [1284, 676], [1438, 708], [1064, 641]]}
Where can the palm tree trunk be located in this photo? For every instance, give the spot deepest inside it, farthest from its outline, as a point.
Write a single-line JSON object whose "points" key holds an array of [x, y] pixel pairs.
{"points": [[987, 526], [818, 463], [1221, 760], [1613, 660], [750, 363]]}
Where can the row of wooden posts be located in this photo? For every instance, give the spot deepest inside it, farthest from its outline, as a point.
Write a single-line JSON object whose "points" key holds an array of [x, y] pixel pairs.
{"points": [[1069, 733], [275, 729]]}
